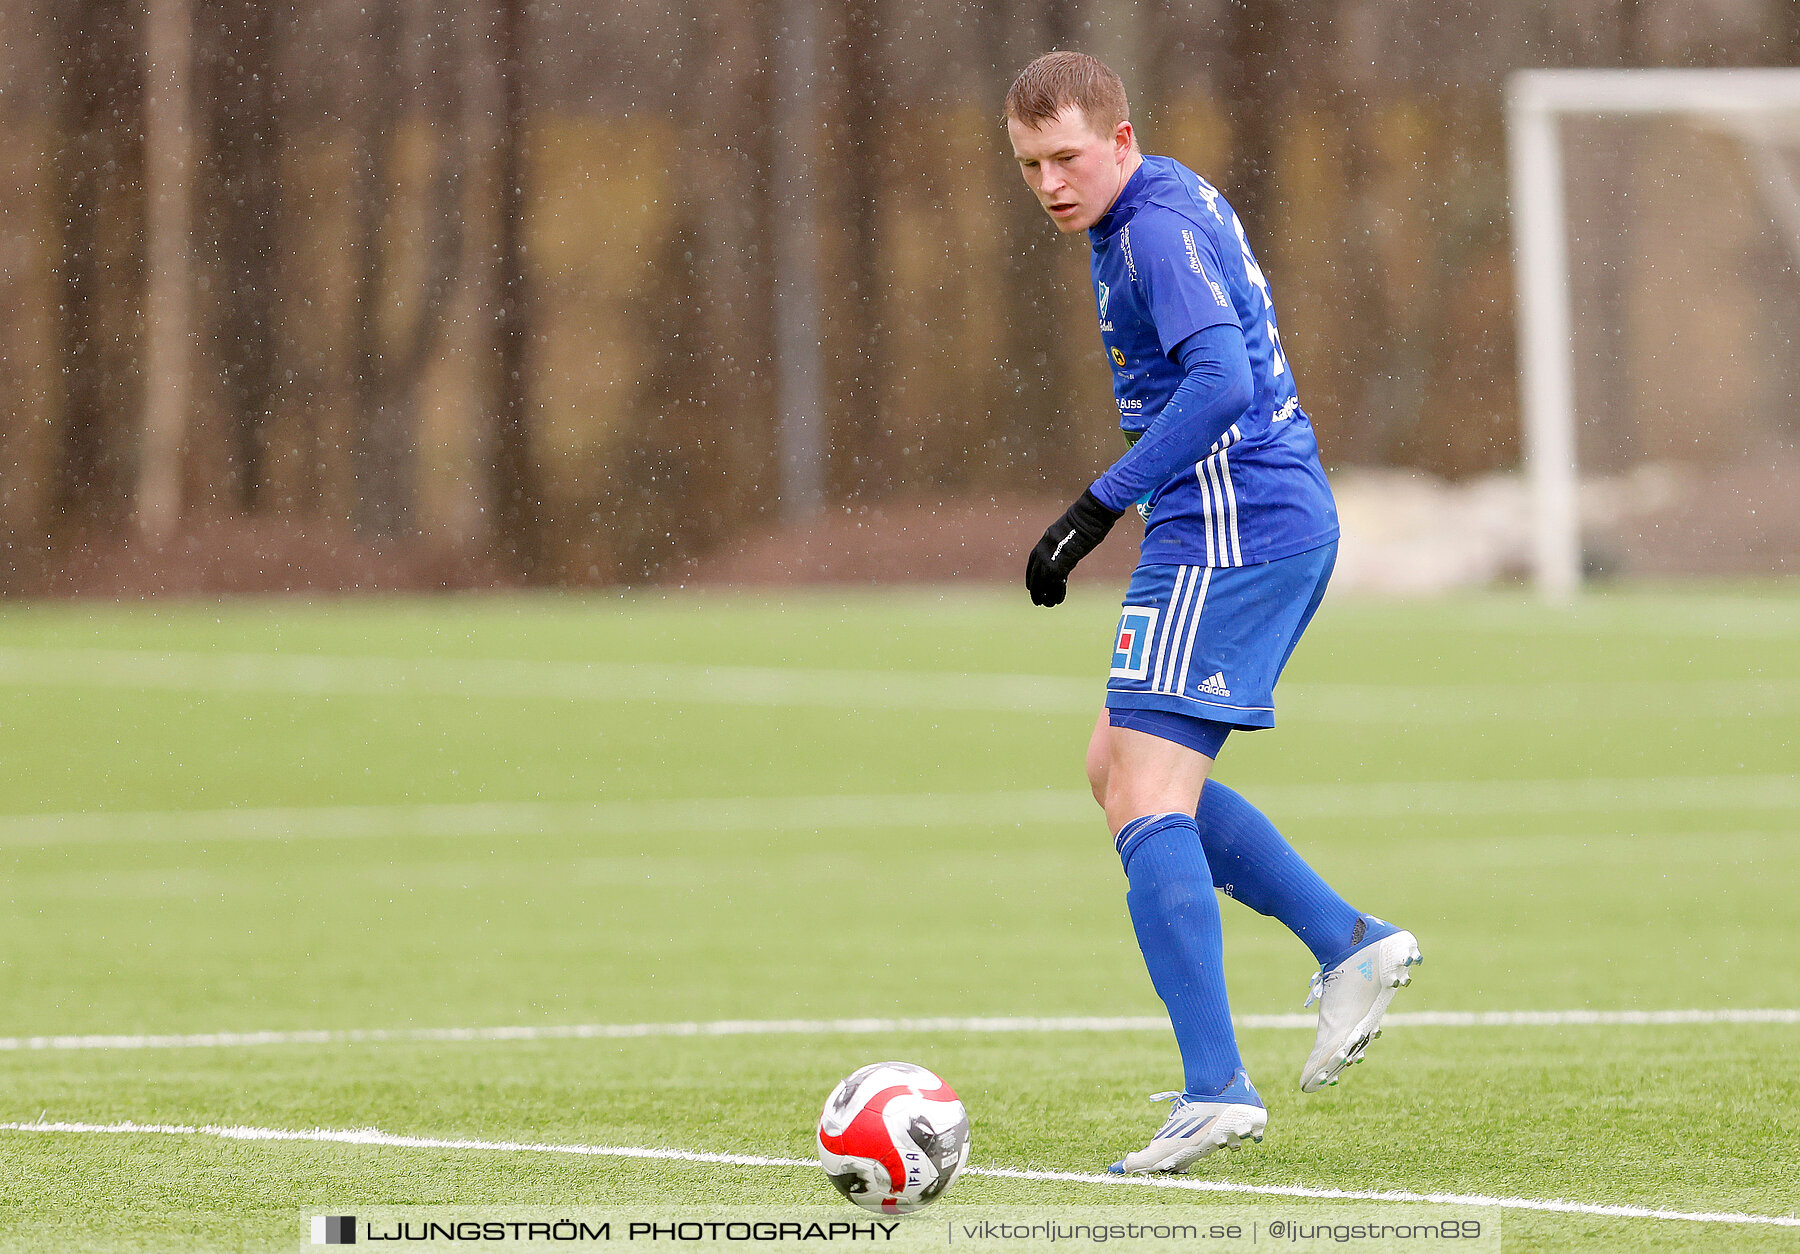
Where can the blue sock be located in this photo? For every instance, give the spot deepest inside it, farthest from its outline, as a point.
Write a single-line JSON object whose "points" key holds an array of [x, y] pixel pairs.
{"points": [[1254, 864], [1176, 918]]}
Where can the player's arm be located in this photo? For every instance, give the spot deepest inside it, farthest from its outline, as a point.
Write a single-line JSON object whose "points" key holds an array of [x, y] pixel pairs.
{"points": [[1199, 329], [1215, 392]]}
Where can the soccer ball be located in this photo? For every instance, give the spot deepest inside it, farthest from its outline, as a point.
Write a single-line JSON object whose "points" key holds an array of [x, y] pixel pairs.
{"points": [[893, 1137]]}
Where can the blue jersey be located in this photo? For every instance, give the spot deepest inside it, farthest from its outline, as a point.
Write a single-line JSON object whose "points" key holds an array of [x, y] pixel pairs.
{"points": [[1170, 258]]}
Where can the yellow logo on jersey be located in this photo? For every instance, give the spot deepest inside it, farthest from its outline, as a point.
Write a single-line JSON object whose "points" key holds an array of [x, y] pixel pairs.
{"points": [[1118, 357]]}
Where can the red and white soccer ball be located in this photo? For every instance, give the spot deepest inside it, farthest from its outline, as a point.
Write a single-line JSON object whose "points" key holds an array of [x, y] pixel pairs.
{"points": [[893, 1137]]}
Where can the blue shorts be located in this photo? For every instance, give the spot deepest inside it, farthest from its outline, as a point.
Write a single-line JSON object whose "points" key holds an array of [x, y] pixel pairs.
{"points": [[1203, 735], [1209, 642]]}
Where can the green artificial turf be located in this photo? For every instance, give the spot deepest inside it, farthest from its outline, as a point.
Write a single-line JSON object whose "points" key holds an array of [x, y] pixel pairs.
{"points": [[414, 814]]}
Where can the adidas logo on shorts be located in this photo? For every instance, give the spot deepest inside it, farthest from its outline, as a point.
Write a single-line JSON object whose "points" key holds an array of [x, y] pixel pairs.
{"points": [[1215, 686]]}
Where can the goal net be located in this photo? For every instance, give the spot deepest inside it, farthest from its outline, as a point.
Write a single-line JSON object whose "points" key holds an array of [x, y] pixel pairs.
{"points": [[1656, 219]]}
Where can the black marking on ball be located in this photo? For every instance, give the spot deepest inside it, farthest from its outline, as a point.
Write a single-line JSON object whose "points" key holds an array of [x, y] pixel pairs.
{"points": [[846, 1092], [851, 1184], [942, 1148]]}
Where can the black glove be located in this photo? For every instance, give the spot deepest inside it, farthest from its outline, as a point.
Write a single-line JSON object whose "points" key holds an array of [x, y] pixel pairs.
{"points": [[1070, 538]]}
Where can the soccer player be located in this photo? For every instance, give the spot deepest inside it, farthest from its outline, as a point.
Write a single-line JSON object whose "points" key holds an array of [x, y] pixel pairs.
{"points": [[1240, 539]]}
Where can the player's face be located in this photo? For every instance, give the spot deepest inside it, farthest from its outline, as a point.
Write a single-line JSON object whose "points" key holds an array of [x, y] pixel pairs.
{"points": [[1074, 172]]}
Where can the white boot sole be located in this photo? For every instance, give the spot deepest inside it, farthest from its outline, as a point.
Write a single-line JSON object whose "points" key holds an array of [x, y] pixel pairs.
{"points": [[1237, 1127]]}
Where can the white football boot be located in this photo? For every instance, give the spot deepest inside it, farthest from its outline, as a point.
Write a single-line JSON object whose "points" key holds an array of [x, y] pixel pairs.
{"points": [[1198, 1126], [1352, 997]]}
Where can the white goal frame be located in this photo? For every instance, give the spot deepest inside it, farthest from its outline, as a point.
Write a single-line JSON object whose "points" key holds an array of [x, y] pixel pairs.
{"points": [[1740, 101]]}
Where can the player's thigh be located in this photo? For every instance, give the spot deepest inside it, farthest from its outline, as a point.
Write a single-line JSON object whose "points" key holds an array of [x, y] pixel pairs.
{"points": [[1148, 774], [1099, 758]]}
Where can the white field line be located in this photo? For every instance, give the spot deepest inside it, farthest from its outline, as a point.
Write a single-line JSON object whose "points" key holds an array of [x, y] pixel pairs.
{"points": [[514, 679], [374, 1136], [863, 1027], [1374, 799]]}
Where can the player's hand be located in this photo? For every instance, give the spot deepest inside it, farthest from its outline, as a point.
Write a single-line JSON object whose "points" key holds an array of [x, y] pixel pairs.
{"points": [[1070, 538]]}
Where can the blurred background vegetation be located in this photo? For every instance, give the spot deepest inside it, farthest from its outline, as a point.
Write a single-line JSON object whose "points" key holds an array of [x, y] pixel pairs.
{"points": [[486, 289]]}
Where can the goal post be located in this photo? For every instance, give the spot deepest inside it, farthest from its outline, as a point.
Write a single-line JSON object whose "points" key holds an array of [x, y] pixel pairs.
{"points": [[1757, 106]]}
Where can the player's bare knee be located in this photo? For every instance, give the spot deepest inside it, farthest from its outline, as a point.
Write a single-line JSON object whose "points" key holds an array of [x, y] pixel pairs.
{"points": [[1121, 796], [1123, 804]]}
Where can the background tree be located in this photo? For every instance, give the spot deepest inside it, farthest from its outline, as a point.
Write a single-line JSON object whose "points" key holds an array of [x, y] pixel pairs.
{"points": [[515, 489], [240, 76], [387, 367], [97, 170], [169, 295], [866, 118]]}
